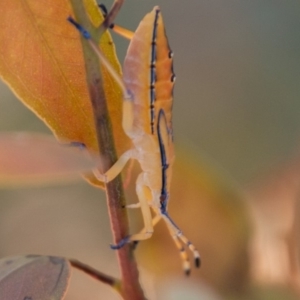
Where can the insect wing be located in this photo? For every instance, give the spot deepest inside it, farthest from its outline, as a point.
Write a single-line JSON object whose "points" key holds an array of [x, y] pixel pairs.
{"points": [[148, 72], [164, 75], [35, 158], [33, 277]]}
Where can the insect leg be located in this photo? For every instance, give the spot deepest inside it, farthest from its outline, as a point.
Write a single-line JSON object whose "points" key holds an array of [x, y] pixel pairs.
{"points": [[85, 34], [155, 220], [116, 168], [175, 231], [125, 33], [127, 121], [143, 194], [127, 96], [135, 205], [182, 252]]}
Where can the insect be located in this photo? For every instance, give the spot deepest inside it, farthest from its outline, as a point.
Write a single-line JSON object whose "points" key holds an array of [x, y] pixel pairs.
{"points": [[147, 84]]}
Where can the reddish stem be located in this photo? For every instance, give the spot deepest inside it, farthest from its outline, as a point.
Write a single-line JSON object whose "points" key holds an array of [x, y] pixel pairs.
{"points": [[130, 288]]}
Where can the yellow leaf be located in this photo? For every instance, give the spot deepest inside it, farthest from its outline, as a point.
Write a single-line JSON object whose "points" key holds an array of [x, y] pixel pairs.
{"points": [[41, 60]]}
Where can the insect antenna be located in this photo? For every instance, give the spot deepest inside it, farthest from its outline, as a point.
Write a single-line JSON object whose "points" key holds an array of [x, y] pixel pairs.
{"points": [[176, 232], [85, 34]]}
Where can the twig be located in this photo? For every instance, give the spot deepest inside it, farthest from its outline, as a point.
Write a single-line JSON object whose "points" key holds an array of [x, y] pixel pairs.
{"points": [[130, 287], [113, 282]]}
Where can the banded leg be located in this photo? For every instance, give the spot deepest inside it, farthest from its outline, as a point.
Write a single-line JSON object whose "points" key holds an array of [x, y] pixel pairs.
{"points": [[180, 247], [182, 252], [175, 231], [143, 193]]}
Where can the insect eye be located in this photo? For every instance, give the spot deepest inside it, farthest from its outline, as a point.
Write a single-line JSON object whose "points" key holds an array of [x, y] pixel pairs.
{"points": [[171, 54], [173, 78]]}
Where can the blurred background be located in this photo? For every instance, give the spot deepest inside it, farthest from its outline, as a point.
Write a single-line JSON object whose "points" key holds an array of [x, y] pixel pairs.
{"points": [[237, 171]]}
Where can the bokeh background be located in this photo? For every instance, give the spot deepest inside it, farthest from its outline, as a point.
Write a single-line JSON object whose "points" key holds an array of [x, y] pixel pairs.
{"points": [[237, 174]]}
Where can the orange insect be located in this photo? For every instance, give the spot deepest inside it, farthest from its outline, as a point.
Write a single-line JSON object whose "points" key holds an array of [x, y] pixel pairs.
{"points": [[147, 85]]}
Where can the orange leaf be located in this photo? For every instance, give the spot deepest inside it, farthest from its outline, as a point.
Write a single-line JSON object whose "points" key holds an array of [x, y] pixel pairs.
{"points": [[41, 59]]}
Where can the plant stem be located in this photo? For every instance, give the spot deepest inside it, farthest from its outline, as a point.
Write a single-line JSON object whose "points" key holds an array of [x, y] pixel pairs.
{"points": [[113, 282], [130, 288]]}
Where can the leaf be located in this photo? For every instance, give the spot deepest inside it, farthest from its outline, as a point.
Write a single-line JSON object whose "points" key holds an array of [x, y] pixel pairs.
{"points": [[41, 60], [36, 158], [34, 277], [274, 251]]}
